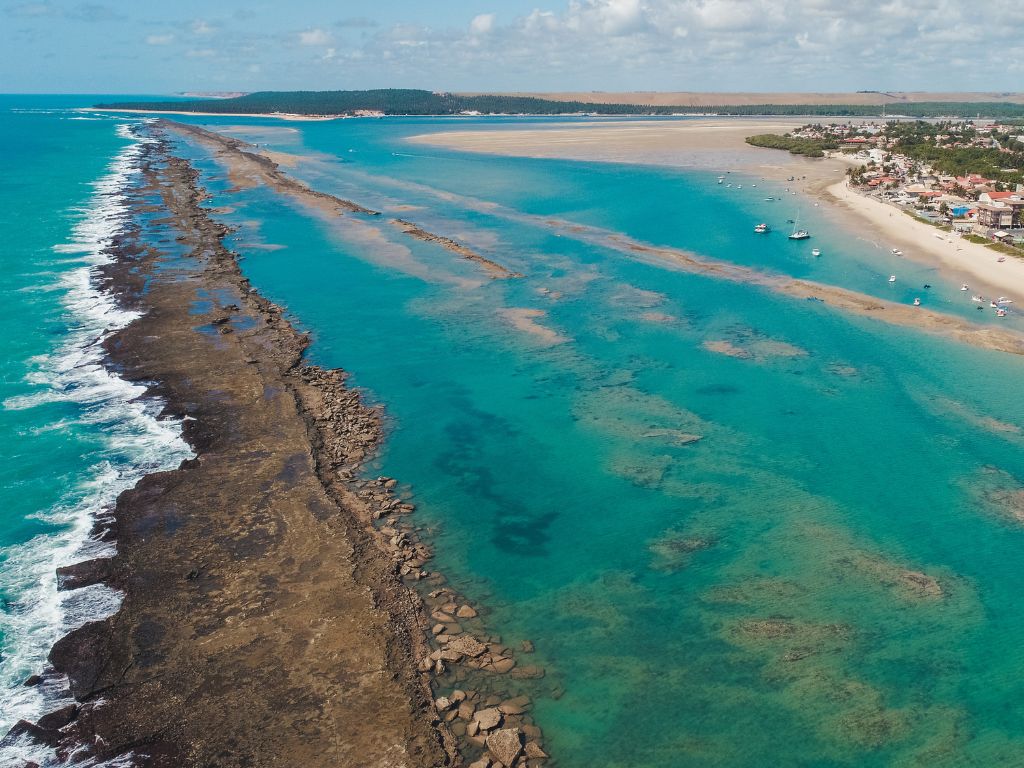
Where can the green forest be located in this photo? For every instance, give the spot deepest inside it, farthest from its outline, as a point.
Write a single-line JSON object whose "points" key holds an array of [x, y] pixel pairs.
{"points": [[395, 101]]}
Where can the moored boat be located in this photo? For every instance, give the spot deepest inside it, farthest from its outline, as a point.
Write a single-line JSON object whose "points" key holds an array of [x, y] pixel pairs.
{"points": [[798, 234]]}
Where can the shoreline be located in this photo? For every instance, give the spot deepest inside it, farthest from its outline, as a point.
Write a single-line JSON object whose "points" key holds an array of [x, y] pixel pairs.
{"points": [[213, 578], [265, 615], [956, 256]]}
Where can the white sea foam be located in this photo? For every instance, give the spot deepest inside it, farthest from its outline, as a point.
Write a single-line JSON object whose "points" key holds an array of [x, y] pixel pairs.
{"points": [[135, 442]]}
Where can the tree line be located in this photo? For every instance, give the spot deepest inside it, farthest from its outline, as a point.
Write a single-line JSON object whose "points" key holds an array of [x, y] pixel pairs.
{"points": [[399, 101]]}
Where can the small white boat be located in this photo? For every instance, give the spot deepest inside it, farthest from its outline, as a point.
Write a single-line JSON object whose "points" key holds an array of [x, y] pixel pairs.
{"points": [[798, 234], [892, 278], [1004, 300], [977, 298], [963, 287], [917, 302], [1000, 313], [1001, 259], [993, 305], [895, 250], [762, 229], [721, 179], [815, 252]]}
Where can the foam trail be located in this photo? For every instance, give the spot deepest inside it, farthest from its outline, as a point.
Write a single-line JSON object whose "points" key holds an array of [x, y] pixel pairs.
{"points": [[134, 442]]}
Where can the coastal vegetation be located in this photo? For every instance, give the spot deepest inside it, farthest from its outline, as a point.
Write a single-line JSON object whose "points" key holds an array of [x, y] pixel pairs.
{"points": [[403, 101], [795, 145]]}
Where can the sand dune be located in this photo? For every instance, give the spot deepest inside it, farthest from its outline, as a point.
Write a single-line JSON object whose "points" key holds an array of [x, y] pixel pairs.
{"points": [[696, 98]]}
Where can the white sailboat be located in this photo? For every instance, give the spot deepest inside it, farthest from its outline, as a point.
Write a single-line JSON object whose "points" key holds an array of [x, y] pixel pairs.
{"points": [[798, 234]]}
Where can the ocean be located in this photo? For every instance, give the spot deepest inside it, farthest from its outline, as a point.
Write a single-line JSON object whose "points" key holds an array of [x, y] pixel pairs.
{"points": [[739, 528], [75, 435]]}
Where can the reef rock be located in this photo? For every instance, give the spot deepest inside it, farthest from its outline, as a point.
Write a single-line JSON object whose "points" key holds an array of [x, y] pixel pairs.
{"points": [[467, 645], [506, 745], [489, 718]]}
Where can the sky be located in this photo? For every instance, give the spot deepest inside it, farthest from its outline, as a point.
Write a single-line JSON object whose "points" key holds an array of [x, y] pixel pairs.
{"points": [[141, 46]]}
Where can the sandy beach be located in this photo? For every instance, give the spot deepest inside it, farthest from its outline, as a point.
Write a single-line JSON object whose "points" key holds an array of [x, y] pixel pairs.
{"points": [[625, 141], [719, 143], [972, 263]]}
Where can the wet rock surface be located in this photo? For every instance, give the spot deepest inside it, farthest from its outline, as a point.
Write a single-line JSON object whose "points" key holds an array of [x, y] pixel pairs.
{"points": [[269, 583], [262, 624]]}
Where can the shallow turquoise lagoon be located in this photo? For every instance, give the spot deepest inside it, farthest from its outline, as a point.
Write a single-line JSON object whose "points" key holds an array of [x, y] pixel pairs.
{"points": [[828, 576], [740, 529]]}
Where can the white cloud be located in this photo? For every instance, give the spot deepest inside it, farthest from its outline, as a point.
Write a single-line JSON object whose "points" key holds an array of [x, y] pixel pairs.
{"points": [[315, 36], [202, 28], [482, 24], [694, 45], [159, 39], [200, 53]]}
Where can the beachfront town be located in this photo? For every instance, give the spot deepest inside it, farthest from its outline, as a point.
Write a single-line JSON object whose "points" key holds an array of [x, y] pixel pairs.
{"points": [[925, 168]]}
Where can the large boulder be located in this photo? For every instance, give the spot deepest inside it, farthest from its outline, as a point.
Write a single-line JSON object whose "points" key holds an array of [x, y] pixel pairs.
{"points": [[506, 745], [489, 718], [468, 645]]}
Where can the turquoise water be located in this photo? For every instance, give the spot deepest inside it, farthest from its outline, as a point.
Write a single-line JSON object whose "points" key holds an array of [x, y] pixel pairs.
{"points": [[741, 600], [829, 576], [75, 435]]}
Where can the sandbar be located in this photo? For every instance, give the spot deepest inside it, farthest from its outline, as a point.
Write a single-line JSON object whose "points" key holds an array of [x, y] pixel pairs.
{"points": [[719, 143]]}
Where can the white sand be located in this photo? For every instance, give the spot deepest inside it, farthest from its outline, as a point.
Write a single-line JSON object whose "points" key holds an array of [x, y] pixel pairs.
{"points": [[627, 140], [917, 239]]}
